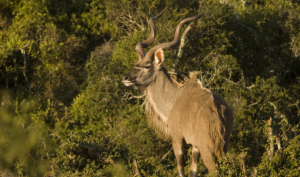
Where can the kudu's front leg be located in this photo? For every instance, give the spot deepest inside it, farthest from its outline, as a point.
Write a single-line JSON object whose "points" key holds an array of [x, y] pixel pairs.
{"points": [[178, 146], [195, 160]]}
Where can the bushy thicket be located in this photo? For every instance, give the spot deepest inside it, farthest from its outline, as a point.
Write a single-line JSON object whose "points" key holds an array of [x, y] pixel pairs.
{"points": [[65, 112]]}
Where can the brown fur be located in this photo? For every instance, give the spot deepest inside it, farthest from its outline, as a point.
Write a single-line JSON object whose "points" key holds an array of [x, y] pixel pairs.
{"points": [[189, 113], [155, 121], [216, 123], [202, 118], [217, 130], [192, 77], [186, 112]]}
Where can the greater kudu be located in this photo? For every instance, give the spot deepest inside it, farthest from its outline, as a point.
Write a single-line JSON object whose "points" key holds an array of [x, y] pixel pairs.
{"points": [[187, 113]]}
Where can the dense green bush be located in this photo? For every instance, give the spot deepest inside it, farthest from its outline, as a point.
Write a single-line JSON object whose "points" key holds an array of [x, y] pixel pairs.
{"points": [[65, 112]]}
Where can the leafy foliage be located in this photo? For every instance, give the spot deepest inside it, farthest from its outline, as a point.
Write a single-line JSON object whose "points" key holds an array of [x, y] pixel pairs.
{"points": [[65, 112]]}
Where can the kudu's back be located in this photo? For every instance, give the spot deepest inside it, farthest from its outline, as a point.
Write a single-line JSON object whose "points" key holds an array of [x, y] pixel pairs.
{"points": [[202, 118]]}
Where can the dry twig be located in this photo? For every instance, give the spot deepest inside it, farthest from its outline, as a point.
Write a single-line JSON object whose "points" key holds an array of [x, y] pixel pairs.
{"points": [[270, 133], [244, 87], [239, 23], [276, 135], [52, 167], [279, 144], [136, 168], [242, 158], [24, 68], [182, 44], [129, 96], [251, 30], [255, 173], [166, 154], [131, 20]]}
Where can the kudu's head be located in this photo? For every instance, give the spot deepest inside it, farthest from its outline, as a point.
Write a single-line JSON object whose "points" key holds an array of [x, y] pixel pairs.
{"points": [[145, 69]]}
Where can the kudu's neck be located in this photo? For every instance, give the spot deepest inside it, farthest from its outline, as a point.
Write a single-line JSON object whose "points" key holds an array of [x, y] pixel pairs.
{"points": [[162, 94]]}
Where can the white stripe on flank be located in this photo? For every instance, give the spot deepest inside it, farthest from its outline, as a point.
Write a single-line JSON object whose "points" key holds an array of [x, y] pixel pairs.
{"points": [[199, 82]]}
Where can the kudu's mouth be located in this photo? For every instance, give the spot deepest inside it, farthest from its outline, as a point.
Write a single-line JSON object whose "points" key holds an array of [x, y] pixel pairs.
{"points": [[127, 82]]}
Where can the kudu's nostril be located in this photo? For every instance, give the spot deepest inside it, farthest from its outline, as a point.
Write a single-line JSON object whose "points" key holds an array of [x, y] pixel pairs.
{"points": [[125, 78]]}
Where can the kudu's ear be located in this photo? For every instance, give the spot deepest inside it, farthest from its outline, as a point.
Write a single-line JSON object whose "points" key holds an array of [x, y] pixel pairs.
{"points": [[159, 57]]}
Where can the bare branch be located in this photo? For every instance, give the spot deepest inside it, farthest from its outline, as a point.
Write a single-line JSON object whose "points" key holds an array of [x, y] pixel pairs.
{"points": [[129, 96], [238, 18], [250, 87], [24, 68], [286, 138], [251, 30], [224, 78], [128, 20], [138, 97], [255, 173], [116, 137], [136, 168], [26, 45], [182, 44], [242, 158], [131, 20], [52, 167], [253, 104], [211, 79], [166, 154], [244, 87], [233, 162], [275, 108], [279, 144], [276, 115], [236, 14], [270, 133]]}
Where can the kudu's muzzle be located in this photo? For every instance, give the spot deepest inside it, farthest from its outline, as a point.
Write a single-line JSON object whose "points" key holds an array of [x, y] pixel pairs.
{"points": [[129, 79]]}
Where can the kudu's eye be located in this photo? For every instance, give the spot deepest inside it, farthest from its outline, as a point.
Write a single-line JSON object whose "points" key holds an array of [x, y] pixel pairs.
{"points": [[147, 67]]}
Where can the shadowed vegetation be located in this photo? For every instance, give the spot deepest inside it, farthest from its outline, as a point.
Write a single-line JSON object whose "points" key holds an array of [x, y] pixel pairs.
{"points": [[65, 112]]}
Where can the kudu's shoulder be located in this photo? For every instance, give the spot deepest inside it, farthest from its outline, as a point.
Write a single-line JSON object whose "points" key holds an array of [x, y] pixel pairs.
{"points": [[195, 88], [195, 93], [195, 99]]}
